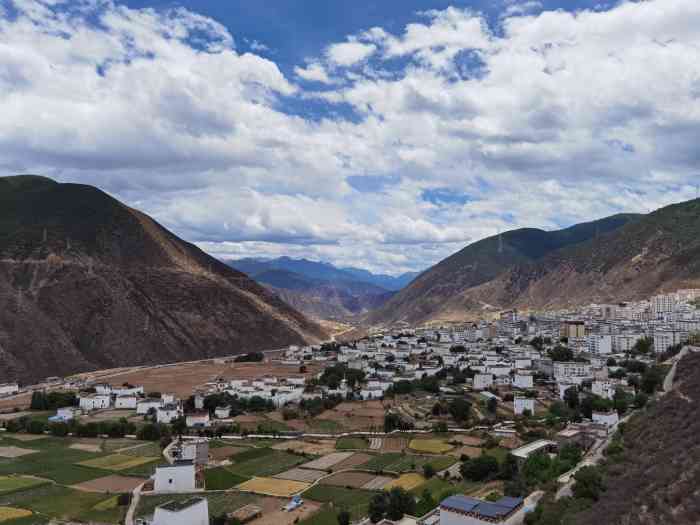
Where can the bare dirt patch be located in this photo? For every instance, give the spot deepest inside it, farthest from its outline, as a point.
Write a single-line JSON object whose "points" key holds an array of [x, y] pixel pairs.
{"points": [[301, 474], [349, 479], [24, 437], [86, 447], [20, 401], [274, 515], [327, 461], [317, 448], [378, 483], [357, 416], [470, 452], [355, 460], [15, 452], [111, 484], [471, 441], [221, 453], [180, 379], [394, 444]]}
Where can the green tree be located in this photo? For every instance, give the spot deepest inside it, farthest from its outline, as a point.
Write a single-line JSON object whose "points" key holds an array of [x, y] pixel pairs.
{"points": [[378, 506], [492, 405], [571, 397], [640, 400], [400, 502], [460, 409], [428, 470], [479, 468], [343, 517], [589, 483]]}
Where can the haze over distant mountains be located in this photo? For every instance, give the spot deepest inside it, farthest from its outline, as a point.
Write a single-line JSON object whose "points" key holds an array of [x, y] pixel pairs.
{"points": [[622, 257], [320, 289], [87, 282]]}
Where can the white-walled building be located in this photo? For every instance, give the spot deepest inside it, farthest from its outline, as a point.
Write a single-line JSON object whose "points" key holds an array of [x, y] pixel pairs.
{"points": [[663, 339], [571, 370], [127, 402], [168, 413], [142, 407], [521, 404], [194, 511], [482, 381], [222, 412], [524, 381], [609, 419], [95, 402], [198, 419], [179, 477], [599, 344]]}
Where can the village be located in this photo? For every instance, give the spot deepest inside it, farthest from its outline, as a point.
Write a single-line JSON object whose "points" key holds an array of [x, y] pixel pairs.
{"points": [[457, 425]]}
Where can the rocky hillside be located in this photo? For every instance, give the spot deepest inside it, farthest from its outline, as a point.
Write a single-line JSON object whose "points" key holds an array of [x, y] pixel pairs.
{"points": [[482, 276], [87, 282], [656, 476]]}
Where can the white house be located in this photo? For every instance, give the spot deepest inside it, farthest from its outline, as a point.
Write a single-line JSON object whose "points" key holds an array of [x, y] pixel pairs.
{"points": [[599, 344], [604, 389], [179, 477], [64, 414], [222, 412], [103, 389], [195, 450], [126, 402], [95, 402], [521, 404], [193, 511], [8, 389], [198, 419], [127, 391], [168, 413], [142, 407], [482, 381], [609, 419], [522, 381]]}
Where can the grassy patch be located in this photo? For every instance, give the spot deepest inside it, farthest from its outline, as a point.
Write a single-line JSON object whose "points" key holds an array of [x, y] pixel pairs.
{"points": [[221, 478], [395, 462], [9, 484], [323, 425], [351, 443], [117, 462], [325, 516], [406, 481], [430, 446], [382, 461], [269, 464], [499, 453], [13, 513], [355, 501], [74, 474]]}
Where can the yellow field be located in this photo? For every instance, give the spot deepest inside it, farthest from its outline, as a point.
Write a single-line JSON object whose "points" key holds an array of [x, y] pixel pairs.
{"points": [[11, 513], [273, 486], [431, 446], [116, 462], [108, 504], [406, 481]]}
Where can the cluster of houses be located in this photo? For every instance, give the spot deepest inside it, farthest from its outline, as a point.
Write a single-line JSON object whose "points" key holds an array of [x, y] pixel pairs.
{"points": [[165, 408]]}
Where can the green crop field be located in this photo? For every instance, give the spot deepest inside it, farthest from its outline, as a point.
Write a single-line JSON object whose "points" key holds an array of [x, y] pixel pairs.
{"points": [[116, 462], [382, 461], [351, 443], [400, 463], [221, 478], [267, 464], [354, 501], [10, 484]]}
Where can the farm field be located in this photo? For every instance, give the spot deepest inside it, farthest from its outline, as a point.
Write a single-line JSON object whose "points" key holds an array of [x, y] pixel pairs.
{"points": [[406, 481], [110, 484], [225, 452], [430, 446], [357, 459], [301, 474], [116, 462], [273, 486], [407, 462], [221, 478], [351, 443], [13, 514], [328, 461], [354, 501], [349, 479], [394, 444], [264, 462], [318, 448]]}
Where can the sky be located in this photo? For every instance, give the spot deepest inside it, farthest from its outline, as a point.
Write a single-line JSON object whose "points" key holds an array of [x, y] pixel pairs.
{"points": [[380, 134]]}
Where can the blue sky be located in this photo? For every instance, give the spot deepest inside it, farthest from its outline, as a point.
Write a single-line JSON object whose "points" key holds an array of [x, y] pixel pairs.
{"points": [[383, 135]]}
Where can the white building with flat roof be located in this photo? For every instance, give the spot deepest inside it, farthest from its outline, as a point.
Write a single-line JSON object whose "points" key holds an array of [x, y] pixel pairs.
{"points": [[193, 511], [521, 404], [179, 477], [482, 381]]}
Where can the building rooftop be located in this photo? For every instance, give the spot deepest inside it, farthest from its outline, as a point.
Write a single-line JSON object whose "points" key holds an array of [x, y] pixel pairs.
{"points": [[177, 506], [487, 509], [525, 451]]}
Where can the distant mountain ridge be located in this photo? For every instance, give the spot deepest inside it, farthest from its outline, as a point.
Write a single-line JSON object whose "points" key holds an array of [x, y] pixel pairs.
{"points": [[320, 289], [526, 268], [87, 282]]}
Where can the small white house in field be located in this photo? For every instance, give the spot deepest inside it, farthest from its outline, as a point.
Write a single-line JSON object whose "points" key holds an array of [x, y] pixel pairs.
{"points": [[198, 419], [179, 477], [522, 381], [482, 381], [126, 402], [142, 407], [8, 389], [168, 413], [609, 419], [95, 402], [222, 412], [521, 404], [193, 511]]}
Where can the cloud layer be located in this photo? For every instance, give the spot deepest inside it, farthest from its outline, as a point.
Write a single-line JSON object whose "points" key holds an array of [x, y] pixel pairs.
{"points": [[386, 150]]}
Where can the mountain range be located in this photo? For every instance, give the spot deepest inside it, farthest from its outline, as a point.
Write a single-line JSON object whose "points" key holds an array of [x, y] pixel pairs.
{"points": [[622, 257], [321, 290], [87, 282]]}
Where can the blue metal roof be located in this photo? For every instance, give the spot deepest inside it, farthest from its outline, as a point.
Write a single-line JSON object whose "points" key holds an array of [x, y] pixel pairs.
{"points": [[497, 509]]}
